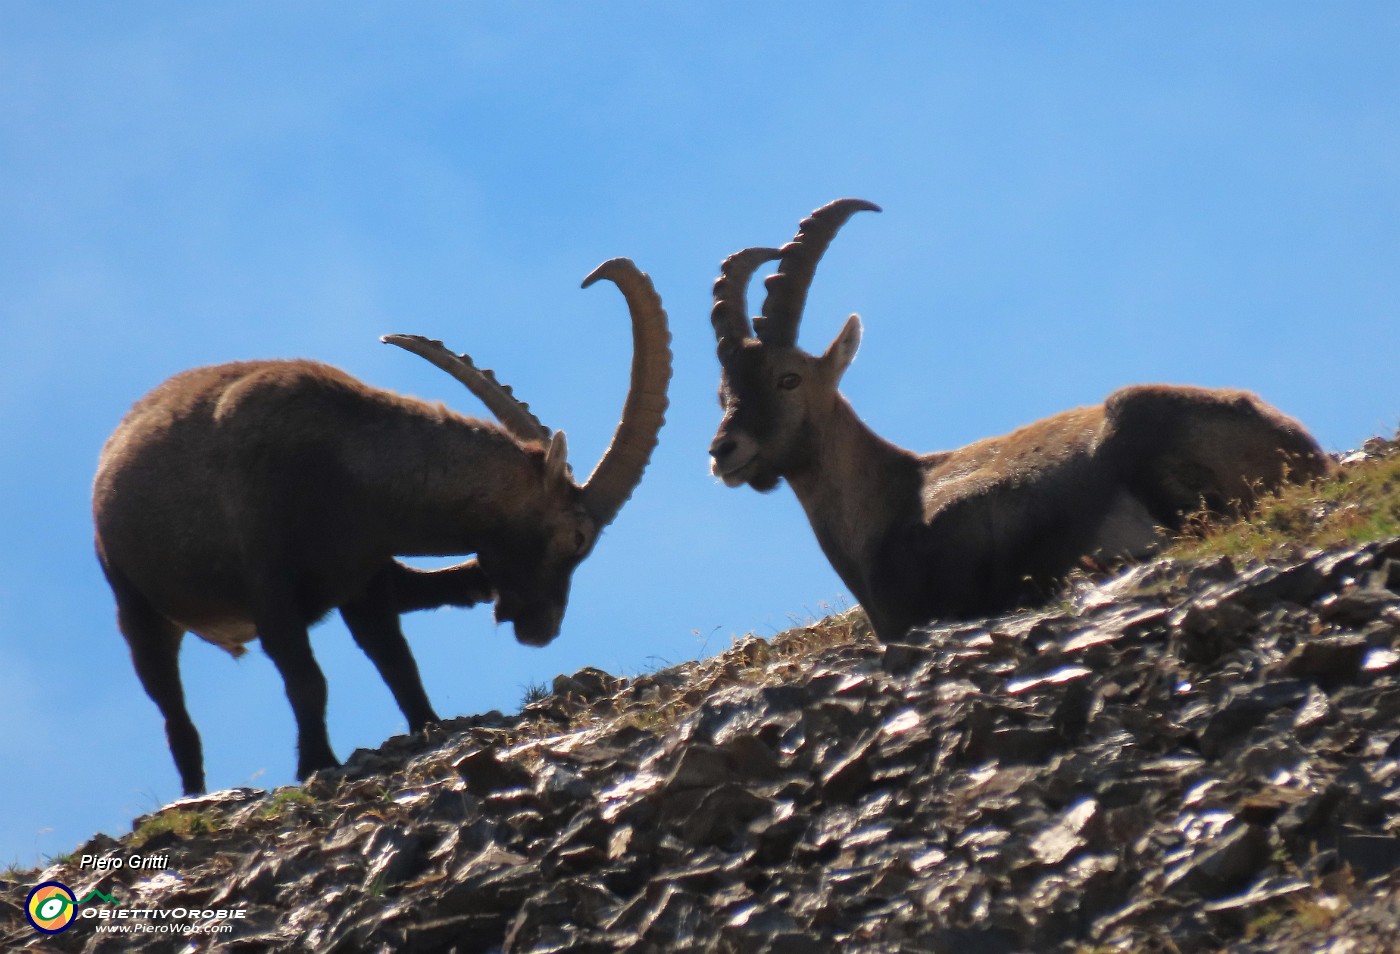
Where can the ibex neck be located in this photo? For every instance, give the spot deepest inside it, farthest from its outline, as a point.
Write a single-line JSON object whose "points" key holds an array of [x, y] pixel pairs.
{"points": [[448, 484], [854, 487]]}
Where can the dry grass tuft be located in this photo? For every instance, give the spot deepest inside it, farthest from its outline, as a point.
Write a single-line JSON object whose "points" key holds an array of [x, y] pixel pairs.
{"points": [[656, 702], [1359, 504]]}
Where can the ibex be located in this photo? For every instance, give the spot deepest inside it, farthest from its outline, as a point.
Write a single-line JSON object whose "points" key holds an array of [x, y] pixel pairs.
{"points": [[990, 526], [247, 500]]}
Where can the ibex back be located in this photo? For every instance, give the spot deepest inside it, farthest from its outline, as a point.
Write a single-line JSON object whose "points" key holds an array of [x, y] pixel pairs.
{"points": [[986, 527], [247, 500]]}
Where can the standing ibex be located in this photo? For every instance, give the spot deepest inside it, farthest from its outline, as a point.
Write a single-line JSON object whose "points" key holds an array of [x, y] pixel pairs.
{"points": [[992, 525], [247, 500]]}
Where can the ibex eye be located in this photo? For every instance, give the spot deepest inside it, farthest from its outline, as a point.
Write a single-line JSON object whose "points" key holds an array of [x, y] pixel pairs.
{"points": [[789, 381]]}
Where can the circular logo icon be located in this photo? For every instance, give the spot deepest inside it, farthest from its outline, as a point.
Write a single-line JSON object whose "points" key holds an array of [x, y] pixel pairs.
{"points": [[51, 907]]}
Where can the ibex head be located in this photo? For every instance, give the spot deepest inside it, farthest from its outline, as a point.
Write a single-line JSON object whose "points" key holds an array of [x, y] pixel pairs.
{"points": [[771, 390], [530, 568]]}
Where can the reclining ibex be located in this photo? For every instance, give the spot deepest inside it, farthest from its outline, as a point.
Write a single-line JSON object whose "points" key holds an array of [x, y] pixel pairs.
{"points": [[247, 500], [990, 526]]}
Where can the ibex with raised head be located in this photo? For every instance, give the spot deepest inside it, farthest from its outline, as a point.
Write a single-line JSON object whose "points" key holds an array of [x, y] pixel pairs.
{"points": [[247, 500], [990, 526]]}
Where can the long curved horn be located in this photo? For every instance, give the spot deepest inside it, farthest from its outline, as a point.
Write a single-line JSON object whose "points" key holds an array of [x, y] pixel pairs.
{"points": [[512, 412], [620, 469], [730, 315], [787, 287]]}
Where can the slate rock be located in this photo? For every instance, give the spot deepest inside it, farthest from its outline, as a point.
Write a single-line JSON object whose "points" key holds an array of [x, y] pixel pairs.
{"points": [[1179, 751]]}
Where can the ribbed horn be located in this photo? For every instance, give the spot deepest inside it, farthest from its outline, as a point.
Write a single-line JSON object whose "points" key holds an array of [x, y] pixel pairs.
{"points": [[730, 316], [513, 413], [620, 469], [787, 287]]}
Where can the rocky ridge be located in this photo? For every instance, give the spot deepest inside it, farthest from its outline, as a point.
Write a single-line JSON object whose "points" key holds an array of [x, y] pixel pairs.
{"points": [[1181, 757]]}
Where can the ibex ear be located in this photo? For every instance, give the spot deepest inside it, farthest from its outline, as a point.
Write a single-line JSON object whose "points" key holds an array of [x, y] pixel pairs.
{"points": [[556, 459], [842, 352]]}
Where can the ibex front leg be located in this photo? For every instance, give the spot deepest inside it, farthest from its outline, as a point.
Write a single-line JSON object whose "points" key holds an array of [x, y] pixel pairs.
{"points": [[284, 638], [373, 619], [462, 585]]}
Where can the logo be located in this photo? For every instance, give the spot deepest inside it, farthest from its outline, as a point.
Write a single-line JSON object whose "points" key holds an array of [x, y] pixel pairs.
{"points": [[51, 907], [104, 898]]}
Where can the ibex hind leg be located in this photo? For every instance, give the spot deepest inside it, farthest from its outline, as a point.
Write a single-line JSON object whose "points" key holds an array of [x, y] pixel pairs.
{"points": [[1188, 447], [373, 620], [154, 642]]}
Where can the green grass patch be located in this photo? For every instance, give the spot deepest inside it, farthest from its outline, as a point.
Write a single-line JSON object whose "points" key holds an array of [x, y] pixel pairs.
{"points": [[285, 800], [1360, 503], [180, 821]]}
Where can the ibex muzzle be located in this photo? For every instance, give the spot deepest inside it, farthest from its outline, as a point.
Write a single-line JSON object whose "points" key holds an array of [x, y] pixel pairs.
{"points": [[985, 527], [247, 500]]}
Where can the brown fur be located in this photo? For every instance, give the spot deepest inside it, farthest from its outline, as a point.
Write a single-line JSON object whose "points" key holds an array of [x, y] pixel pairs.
{"points": [[193, 487], [247, 500], [995, 524]]}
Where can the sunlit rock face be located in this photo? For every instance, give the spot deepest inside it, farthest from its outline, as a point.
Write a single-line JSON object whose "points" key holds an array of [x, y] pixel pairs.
{"points": [[1183, 750]]}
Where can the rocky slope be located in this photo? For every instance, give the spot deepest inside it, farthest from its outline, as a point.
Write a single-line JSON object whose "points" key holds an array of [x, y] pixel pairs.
{"points": [[1183, 757]]}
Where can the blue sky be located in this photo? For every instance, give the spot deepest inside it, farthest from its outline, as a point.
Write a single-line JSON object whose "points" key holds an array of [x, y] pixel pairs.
{"points": [[1077, 197]]}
